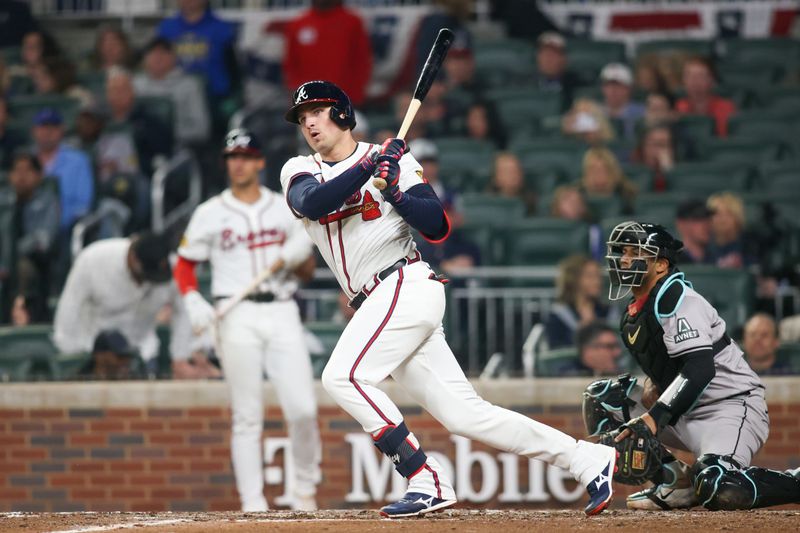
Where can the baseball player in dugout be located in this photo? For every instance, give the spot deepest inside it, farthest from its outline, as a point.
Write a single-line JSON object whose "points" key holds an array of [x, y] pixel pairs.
{"points": [[364, 235], [700, 395], [242, 231]]}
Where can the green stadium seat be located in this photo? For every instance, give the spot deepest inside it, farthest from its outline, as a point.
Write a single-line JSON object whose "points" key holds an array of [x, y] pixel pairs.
{"points": [[22, 109], [487, 239], [27, 353], [659, 208], [70, 365], [491, 210], [696, 127], [604, 207], [533, 107], [771, 130], [502, 62], [381, 121], [749, 75], [746, 150], [563, 157], [328, 333], [548, 363], [730, 291], [544, 241], [790, 352], [703, 179], [780, 178], [640, 175], [469, 163], [588, 57], [771, 51], [687, 46]]}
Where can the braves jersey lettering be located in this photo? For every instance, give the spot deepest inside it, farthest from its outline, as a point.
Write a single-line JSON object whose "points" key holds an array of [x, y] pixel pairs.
{"points": [[366, 234], [242, 239]]}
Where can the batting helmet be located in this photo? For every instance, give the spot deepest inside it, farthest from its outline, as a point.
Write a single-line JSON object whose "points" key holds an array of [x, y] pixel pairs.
{"points": [[651, 241], [324, 92], [241, 141]]}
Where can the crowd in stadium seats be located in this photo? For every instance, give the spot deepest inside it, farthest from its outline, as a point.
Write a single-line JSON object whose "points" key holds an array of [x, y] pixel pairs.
{"points": [[537, 146]]}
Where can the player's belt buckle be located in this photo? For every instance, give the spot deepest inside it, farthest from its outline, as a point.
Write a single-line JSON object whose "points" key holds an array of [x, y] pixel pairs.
{"points": [[359, 298]]}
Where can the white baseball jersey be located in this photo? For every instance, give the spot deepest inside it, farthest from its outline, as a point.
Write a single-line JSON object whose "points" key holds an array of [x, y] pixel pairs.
{"points": [[240, 240], [366, 234]]}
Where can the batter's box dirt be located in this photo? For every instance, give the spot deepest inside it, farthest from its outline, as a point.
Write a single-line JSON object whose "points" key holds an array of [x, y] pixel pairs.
{"points": [[459, 521]]}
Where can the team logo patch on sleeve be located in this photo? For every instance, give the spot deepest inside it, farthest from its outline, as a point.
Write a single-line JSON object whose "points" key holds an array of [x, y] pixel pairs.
{"points": [[685, 331]]}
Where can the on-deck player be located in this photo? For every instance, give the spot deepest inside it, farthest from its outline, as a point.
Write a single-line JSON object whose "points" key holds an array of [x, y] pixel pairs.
{"points": [[242, 231], [364, 236]]}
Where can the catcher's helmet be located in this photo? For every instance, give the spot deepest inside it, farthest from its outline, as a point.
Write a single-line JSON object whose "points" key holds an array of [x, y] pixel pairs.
{"points": [[651, 241], [324, 92], [241, 141]]}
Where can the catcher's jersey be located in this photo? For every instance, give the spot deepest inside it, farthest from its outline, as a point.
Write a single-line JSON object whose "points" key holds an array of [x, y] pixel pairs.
{"points": [[364, 235], [240, 240], [686, 323]]}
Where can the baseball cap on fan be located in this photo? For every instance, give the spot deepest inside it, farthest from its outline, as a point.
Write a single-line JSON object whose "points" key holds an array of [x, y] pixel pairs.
{"points": [[423, 150], [48, 117], [616, 73], [552, 39]]}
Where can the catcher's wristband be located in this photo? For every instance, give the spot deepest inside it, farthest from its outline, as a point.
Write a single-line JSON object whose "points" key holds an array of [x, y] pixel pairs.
{"points": [[661, 415]]}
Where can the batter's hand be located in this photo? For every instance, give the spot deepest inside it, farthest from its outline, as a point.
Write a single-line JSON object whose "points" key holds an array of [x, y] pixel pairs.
{"points": [[201, 313], [392, 149], [389, 171]]}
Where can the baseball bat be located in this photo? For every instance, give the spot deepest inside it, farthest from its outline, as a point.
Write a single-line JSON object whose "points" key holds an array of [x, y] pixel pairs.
{"points": [[263, 276], [429, 71]]}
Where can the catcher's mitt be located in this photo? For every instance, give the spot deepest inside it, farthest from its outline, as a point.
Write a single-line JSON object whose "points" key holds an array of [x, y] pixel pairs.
{"points": [[639, 453]]}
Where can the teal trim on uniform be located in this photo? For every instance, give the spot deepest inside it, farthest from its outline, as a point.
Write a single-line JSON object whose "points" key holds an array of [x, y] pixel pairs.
{"points": [[609, 407], [677, 277], [597, 431], [755, 488], [605, 389], [716, 483]]}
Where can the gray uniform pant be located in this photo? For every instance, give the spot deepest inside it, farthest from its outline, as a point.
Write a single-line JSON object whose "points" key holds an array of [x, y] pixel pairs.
{"points": [[736, 426]]}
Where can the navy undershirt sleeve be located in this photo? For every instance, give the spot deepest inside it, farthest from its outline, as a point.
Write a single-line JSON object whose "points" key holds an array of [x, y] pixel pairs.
{"points": [[313, 199], [422, 210]]}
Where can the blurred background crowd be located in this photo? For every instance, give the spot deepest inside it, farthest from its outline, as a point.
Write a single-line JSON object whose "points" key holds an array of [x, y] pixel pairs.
{"points": [[537, 139]]}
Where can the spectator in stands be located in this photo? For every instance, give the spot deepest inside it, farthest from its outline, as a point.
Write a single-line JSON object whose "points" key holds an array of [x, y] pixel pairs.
{"points": [[599, 352], [163, 77], [111, 49], [602, 177], [37, 45], [37, 215], [418, 129], [569, 204], [699, 81], [10, 141], [761, 344], [658, 110], [441, 113], [693, 222], [204, 45], [617, 86], [459, 66], [308, 54], [579, 300], [656, 151], [69, 166], [552, 73], [116, 287], [508, 180], [728, 247], [151, 136], [453, 14], [483, 124], [56, 75], [112, 358], [649, 78], [586, 121]]}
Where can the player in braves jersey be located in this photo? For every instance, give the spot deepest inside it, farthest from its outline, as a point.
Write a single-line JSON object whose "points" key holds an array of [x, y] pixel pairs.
{"points": [[364, 235], [243, 230]]}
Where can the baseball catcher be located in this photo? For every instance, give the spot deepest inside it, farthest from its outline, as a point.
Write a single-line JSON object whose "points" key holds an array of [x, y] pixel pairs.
{"points": [[700, 395]]}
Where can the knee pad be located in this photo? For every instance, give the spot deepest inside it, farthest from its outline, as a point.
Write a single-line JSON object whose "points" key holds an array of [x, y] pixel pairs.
{"points": [[393, 443], [605, 398], [721, 484]]}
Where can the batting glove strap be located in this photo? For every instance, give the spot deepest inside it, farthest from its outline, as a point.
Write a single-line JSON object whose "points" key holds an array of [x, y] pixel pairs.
{"points": [[393, 148]]}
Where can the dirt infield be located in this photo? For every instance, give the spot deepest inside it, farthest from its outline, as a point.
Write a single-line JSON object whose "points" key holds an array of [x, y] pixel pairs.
{"points": [[461, 521]]}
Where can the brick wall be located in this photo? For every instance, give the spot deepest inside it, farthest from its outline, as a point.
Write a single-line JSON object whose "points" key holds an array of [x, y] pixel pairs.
{"points": [[66, 448]]}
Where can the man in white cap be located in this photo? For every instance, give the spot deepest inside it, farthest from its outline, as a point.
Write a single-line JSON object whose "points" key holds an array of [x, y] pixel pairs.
{"points": [[617, 83], [552, 73]]}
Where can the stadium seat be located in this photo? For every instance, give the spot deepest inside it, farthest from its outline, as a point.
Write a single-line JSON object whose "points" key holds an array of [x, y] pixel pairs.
{"points": [[771, 51], [487, 239], [790, 352], [469, 163], [695, 127], [328, 334], [749, 75], [640, 176], [500, 63], [546, 156], [381, 121], [687, 46], [27, 353], [746, 150], [659, 207], [490, 210], [771, 130], [730, 291], [22, 109], [604, 207], [531, 108], [780, 178], [544, 241], [548, 363], [588, 57], [702, 179]]}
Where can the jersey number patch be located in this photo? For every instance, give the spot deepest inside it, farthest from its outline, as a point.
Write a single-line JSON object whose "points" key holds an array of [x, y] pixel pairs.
{"points": [[369, 209], [685, 331]]}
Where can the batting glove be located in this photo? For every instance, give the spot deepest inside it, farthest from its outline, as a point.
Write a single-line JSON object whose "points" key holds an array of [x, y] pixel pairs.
{"points": [[393, 148], [201, 313], [389, 171]]}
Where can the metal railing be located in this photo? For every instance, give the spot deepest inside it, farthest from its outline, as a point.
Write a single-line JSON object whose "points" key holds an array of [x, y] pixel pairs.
{"points": [[111, 216], [183, 161]]}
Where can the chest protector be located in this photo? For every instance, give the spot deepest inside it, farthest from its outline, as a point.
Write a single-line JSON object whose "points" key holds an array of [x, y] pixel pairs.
{"points": [[643, 335]]}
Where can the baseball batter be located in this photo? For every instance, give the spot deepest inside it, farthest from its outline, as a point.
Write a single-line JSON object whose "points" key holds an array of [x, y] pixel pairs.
{"points": [[364, 236], [703, 397], [243, 230]]}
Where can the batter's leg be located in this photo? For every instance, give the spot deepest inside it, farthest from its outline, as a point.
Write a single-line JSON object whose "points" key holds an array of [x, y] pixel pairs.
{"points": [[434, 378], [288, 367], [241, 353]]}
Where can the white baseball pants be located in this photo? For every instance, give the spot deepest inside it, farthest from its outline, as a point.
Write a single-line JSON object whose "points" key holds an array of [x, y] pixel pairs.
{"points": [[398, 332], [253, 339]]}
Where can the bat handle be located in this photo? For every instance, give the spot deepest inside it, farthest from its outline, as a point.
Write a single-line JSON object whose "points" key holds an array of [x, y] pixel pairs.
{"points": [[411, 112]]}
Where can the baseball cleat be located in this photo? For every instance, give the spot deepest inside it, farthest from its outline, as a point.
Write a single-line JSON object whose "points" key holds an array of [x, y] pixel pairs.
{"points": [[663, 498], [600, 489], [304, 503], [415, 504]]}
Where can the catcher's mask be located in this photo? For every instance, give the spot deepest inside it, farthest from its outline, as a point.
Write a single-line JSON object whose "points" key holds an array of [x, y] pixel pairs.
{"points": [[647, 242]]}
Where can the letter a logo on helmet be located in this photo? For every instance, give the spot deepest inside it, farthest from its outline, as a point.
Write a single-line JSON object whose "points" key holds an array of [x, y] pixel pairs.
{"points": [[301, 95]]}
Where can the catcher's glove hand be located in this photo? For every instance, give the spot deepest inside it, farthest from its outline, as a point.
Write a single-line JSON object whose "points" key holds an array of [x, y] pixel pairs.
{"points": [[639, 453]]}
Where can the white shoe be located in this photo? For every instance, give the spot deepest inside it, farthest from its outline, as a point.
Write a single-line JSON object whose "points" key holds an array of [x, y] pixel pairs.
{"points": [[304, 503], [678, 493], [255, 506]]}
